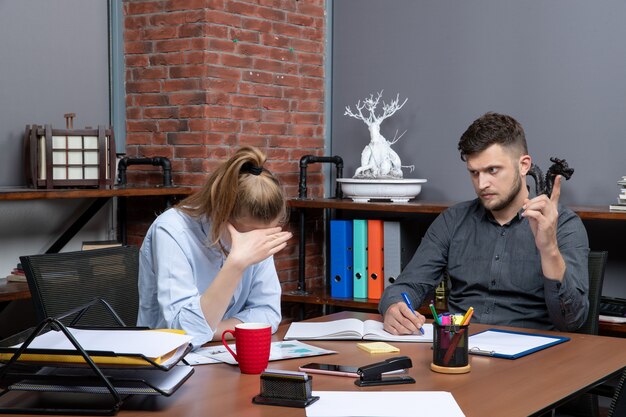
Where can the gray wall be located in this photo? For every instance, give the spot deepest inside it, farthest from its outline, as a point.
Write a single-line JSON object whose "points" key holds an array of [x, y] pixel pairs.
{"points": [[558, 67], [54, 61]]}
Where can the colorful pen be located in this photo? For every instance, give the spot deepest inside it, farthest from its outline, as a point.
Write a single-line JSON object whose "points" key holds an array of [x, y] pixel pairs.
{"points": [[435, 316], [408, 303], [468, 316]]}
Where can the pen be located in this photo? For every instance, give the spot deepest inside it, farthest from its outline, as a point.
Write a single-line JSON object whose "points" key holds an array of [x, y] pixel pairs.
{"points": [[468, 316], [408, 303], [435, 316]]}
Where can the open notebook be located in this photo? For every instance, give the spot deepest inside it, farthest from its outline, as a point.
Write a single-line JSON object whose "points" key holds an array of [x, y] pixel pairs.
{"points": [[352, 329]]}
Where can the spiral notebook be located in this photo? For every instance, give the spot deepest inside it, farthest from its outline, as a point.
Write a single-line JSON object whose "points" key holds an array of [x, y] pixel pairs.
{"points": [[511, 344]]}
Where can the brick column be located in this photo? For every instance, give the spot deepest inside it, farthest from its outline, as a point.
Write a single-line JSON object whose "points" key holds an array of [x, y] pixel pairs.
{"points": [[204, 77]]}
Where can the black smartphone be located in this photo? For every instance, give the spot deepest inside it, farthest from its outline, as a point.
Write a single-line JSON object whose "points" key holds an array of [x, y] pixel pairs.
{"points": [[330, 369]]}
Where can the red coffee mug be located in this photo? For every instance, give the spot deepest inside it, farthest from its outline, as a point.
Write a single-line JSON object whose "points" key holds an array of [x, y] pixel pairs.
{"points": [[252, 345]]}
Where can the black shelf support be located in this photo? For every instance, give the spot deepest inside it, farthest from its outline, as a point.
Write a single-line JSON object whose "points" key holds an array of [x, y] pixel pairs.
{"points": [[302, 191]]}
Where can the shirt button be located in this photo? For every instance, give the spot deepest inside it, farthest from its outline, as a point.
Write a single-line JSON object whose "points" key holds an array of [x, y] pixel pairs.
{"points": [[497, 257], [502, 234], [493, 282]]}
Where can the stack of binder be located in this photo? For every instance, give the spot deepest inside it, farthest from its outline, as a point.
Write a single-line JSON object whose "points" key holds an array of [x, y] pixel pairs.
{"points": [[114, 362], [366, 256], [621, 197]]}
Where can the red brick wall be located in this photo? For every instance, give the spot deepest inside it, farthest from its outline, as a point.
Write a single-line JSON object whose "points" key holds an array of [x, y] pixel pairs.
{"points": [[204, 77]]}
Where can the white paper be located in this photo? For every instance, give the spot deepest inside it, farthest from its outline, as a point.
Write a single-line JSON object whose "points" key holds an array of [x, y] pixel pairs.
{"points": [[612, 319], [505, 343], [383, 404], [194, 358], [278, 351], [152, 344]]}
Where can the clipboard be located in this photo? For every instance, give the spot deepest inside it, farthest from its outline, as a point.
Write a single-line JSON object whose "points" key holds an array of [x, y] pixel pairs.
{"points": [[510, 344]]}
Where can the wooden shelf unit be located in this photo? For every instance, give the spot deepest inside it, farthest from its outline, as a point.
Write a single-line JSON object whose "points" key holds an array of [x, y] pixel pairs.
{"points": [[432, 208], [584, 212], [17, 194], [17, 290]]}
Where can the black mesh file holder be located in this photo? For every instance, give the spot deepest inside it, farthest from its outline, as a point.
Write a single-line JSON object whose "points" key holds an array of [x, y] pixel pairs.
{"points": [[60, 282], [105, 385]]}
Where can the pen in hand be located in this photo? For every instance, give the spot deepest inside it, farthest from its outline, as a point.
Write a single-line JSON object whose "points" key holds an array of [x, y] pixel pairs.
{"points": [[408, 303]]}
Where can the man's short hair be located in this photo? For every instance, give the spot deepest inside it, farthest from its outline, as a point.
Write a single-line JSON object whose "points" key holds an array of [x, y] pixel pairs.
{"points": [[489, 129]]}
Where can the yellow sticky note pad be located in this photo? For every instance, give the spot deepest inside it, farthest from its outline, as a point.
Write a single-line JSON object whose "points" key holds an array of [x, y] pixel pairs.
{"points": [[377, 347]]}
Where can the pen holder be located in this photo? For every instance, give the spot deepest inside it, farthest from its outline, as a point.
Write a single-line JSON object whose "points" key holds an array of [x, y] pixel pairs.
{"points": [[450, 349]]}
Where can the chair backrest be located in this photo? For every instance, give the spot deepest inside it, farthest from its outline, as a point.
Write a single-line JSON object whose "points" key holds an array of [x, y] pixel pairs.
{"points": [[60, 282], [597, 265]]}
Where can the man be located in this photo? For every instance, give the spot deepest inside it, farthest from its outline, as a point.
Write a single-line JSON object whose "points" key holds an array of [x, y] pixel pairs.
{"points": [[518, 261]]}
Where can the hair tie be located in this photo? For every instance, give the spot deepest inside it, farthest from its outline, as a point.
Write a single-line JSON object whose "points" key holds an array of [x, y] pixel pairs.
{"points": [[252, 169]]}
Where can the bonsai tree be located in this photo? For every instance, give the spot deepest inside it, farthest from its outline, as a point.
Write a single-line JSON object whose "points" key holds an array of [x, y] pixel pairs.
{"points": [[378, 160]]}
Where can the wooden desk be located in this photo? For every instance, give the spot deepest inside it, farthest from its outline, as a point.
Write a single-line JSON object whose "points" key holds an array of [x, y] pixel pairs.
{"points": [[494, 387]]}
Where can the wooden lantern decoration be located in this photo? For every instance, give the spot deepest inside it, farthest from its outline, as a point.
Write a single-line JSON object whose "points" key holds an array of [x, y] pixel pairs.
{"points": [[62, 158]]}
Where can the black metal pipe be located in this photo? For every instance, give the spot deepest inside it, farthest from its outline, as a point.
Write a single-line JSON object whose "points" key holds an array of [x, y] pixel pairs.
{"points": [[309, 159], [304, 162], [302, 254], [161, 161]]}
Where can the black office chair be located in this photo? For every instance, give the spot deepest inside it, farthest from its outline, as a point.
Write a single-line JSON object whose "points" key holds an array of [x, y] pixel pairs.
{"points": [[60, 282], [587, 404], [597, 265]]}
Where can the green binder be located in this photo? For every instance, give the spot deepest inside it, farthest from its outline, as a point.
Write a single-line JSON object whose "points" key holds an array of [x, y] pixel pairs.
{"points": [[359, 266]]}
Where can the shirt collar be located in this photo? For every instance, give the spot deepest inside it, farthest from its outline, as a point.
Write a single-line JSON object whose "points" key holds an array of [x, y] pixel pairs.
{"points": [[486, 215]]}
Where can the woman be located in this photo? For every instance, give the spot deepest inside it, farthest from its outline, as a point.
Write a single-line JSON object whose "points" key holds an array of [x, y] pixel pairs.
{"points": [[207, 264]]}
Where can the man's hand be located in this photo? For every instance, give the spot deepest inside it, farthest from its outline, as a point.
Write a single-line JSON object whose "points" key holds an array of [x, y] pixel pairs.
{"points": [[400, 319], [543, 216]]}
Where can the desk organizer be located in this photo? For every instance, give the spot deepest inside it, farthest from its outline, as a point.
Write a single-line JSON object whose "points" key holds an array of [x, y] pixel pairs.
{"points": [[285, 388], [450, 349]]}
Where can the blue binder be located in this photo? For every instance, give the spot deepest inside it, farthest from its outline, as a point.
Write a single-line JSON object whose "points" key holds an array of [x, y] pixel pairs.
{"points": [[341, 258], [360, 258]]}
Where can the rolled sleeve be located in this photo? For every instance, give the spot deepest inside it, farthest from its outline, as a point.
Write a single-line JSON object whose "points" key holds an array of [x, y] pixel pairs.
{"points": [[568, 301]]}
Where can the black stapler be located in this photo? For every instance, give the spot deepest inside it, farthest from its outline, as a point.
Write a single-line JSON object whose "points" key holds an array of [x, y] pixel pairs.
{"points": [[370, 375]]}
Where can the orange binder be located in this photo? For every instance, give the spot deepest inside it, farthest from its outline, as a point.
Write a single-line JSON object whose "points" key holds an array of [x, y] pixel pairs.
{"points": [[375, 266]]}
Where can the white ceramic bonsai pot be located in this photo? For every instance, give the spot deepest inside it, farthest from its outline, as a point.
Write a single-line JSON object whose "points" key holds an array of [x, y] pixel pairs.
{"points": [[397, 190]]}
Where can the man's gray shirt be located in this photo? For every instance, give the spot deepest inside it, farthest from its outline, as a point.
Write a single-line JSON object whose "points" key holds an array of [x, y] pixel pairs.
{"points": [[497, 270]]}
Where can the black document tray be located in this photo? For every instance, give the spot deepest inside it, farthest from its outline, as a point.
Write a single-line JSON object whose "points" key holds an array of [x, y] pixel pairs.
{"points": [[54, 387]]}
